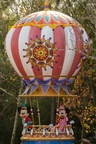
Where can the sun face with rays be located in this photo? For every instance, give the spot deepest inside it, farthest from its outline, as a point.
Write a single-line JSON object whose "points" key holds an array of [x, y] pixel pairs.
{"points": [[40, 53]]}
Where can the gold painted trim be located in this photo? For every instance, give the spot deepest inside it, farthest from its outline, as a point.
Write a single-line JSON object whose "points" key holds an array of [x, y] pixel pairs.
{"points": [[53, 26], [29, 138], [48, 95], [55, 76]]}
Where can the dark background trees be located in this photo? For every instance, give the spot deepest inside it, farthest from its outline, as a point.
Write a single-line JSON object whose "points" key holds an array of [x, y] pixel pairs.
{"points": [[84, 11]]}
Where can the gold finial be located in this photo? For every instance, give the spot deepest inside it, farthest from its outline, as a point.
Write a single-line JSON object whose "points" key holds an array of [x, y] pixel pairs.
{"points": [[46, 3]]}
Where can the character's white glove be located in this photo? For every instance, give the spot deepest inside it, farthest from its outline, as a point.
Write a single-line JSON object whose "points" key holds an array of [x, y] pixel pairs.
{"points": [[72, 122], [23, 131], [25, 125], [50, 125]]}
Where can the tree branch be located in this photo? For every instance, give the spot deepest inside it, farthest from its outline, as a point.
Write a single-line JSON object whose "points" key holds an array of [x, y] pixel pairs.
{"points": [[7, 92]]}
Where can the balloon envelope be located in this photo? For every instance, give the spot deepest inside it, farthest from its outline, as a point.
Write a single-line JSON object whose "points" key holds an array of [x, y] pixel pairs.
{"points": [[47, 47]]}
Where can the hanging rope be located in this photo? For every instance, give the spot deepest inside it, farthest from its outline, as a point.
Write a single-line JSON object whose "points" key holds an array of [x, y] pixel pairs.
{"points": [[57, 110], [38, 111], [31, 109], [58, 103]]}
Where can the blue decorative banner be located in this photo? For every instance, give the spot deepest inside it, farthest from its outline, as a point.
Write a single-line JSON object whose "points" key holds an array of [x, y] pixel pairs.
{"points": [[45, 88], [56, 88], [69, 81], [59, 81], [29, 82], [33, 88], [44, 82], [65, 89]]}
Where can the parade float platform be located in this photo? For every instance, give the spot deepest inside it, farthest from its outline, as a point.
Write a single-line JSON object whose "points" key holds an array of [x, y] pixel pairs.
{"points": [[44, 141], [42, 135]]}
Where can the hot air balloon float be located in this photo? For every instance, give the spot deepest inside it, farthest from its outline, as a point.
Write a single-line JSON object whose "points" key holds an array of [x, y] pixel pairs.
{"points": [[47, 50]]}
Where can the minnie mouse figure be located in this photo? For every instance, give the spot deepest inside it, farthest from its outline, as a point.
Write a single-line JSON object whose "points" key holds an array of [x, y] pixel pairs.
{"points": [[62, 119], [24, 111]]}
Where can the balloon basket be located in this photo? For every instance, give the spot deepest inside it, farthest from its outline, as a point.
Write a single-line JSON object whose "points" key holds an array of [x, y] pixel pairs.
{"points": [[40, 134]]}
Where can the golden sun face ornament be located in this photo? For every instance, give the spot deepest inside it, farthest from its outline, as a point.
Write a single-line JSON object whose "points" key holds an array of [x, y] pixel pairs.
{"points": [[40, 52]]}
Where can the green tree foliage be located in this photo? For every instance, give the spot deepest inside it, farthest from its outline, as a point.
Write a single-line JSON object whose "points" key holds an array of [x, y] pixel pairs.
{"points": [[84, 11]]}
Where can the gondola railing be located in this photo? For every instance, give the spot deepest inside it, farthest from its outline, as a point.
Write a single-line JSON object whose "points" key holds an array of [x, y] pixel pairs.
{"points": [[45, 131]]}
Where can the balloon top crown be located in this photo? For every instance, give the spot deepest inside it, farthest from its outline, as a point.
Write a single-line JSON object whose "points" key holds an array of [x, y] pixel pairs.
{"points": [[46, 3]]}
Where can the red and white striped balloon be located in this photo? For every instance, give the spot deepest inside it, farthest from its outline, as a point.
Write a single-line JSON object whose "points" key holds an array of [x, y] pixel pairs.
{"points": [[47, 45]]}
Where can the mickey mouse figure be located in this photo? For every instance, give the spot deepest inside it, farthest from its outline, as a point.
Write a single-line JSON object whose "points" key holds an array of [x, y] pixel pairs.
{"points": [[24, 111]]}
